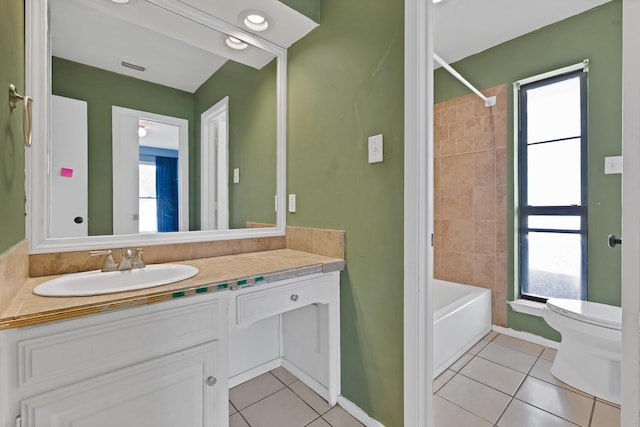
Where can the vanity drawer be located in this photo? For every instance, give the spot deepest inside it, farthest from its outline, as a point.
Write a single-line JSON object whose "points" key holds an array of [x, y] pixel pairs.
{"points": [[58, 354], [259, 304]]}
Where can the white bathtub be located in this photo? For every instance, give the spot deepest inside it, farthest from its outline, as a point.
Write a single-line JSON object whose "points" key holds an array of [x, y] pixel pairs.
{"points": [[461, 317]]}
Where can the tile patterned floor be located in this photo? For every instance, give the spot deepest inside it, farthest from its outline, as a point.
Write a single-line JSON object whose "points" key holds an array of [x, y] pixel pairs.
{"points": [[279, 399], [505, 382], [502, 382]]}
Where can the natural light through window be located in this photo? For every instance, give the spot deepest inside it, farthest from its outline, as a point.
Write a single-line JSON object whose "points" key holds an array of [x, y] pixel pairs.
{"points": [[552, 186], [148, 218]]}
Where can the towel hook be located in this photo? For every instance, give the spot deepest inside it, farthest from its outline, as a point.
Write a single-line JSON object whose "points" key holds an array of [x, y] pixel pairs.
{"points": [[14, 98]]}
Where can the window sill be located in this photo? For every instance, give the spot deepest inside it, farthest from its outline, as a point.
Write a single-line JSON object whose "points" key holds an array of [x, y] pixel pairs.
{"points": [[532, 308]]}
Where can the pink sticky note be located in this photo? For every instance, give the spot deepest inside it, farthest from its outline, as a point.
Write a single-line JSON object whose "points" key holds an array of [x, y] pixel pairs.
{"points": [[66, 172]]}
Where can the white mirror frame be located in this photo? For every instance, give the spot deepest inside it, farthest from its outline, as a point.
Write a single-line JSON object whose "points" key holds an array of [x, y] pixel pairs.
{"points": [[38, 85]]}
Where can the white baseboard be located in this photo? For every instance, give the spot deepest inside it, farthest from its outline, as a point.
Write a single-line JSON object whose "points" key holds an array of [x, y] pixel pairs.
{"points": [[254, 372], [527, 336], [314, 385], [358, 413]]}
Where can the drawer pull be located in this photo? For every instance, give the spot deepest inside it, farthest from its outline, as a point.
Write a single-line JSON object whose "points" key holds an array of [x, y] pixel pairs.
{"points": [[211, 381], [294, 297]]}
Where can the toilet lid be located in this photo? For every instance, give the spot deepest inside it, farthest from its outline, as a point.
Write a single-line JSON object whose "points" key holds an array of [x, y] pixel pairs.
{"points": [[595, 313]]}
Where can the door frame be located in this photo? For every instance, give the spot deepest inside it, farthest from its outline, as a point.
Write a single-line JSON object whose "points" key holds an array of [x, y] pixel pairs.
{"points": [[418, 314], [214, 150], [630, 214], [125, 170], [418, 214]]}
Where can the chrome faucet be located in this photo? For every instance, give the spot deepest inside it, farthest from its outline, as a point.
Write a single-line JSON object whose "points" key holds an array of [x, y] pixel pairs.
{"points": [[131, 259], [109, 263], [138, 262], [126, 260]]}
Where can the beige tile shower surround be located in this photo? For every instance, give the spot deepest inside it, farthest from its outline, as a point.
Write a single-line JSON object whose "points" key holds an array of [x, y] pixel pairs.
{"points": [[470, 194]]}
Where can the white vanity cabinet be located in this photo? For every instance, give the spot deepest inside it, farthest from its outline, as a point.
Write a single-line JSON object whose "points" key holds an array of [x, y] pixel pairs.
{"points": [[162, 364]]}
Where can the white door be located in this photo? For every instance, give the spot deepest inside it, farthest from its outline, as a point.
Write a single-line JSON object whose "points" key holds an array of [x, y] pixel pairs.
{"points": [[126, 158], [69, 173], [180, 389], [214, 167]]}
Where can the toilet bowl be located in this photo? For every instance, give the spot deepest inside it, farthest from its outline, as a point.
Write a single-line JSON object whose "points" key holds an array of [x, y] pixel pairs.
{"points": [[589, 354]]}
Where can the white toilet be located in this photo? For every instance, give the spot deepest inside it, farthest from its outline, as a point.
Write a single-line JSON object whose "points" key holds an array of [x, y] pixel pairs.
{"points": [[590, 351]]}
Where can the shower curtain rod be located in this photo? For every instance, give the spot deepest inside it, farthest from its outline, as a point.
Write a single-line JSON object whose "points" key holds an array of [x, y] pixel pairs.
{"points": [[489, 101]]}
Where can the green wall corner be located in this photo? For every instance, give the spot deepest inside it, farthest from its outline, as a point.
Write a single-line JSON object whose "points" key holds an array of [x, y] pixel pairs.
{"points": [[309, 8]]}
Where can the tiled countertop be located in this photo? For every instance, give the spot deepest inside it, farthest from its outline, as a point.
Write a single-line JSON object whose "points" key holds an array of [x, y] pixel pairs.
{"points": [[224, 272]]}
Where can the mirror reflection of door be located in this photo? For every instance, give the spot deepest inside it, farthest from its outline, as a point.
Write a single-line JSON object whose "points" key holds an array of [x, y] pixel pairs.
{"points": [[214, 198], [69, 204], [150, 172]]}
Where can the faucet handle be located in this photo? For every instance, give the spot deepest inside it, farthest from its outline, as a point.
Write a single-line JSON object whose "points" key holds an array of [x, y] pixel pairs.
{"points": [[109, 263], [138, 262]]}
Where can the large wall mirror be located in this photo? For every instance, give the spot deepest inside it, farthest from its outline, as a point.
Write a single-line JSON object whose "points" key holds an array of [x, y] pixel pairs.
{"points": [[157, 121]]}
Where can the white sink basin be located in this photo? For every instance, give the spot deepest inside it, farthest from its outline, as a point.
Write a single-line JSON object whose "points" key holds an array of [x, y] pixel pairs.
{"points": [[98, 283]]}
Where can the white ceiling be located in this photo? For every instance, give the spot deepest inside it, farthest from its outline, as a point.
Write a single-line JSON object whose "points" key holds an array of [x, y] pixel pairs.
{"points": [[466, 27], [160, 135], [175, 51], [182, 54]]}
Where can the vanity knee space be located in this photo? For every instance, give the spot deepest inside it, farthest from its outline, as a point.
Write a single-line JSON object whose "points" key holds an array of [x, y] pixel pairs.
{"points": [[293, 324]]}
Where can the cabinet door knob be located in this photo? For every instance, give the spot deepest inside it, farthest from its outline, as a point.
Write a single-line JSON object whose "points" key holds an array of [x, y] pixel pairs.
{"points": [[294, 297], [211, 381]]}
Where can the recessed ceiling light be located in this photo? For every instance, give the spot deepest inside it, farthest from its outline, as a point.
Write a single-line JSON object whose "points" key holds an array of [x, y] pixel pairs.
{"points": [[436, 1], [235, 43], [121, 1], [255, 21]]}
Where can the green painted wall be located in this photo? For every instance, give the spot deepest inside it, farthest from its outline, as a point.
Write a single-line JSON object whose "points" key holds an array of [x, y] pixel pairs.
{"points": [[597, 35], [309, 8], [345, 84], [103, 89], [12, 148], [252, 139]]}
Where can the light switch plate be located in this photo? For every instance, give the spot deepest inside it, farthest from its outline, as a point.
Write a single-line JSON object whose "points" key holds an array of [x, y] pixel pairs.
{"points": [[612, 165], [375, 149], [292, 203], [236, 175]]}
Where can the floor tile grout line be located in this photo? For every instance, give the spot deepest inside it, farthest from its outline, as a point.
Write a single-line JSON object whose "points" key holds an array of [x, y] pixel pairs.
{"points": [[261, 399], [504, 410], [510, 348], [492, 387], [465, 409], [593, 410], [314, 420], [544, 410], [501, 364], [307, 403], [243, 417]]}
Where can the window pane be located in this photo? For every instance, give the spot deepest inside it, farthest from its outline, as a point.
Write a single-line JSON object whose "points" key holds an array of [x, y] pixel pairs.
{"points": [[147, 180], [553, 111], [554, 222], [148, 218], [553, 177], [555, 265]]}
